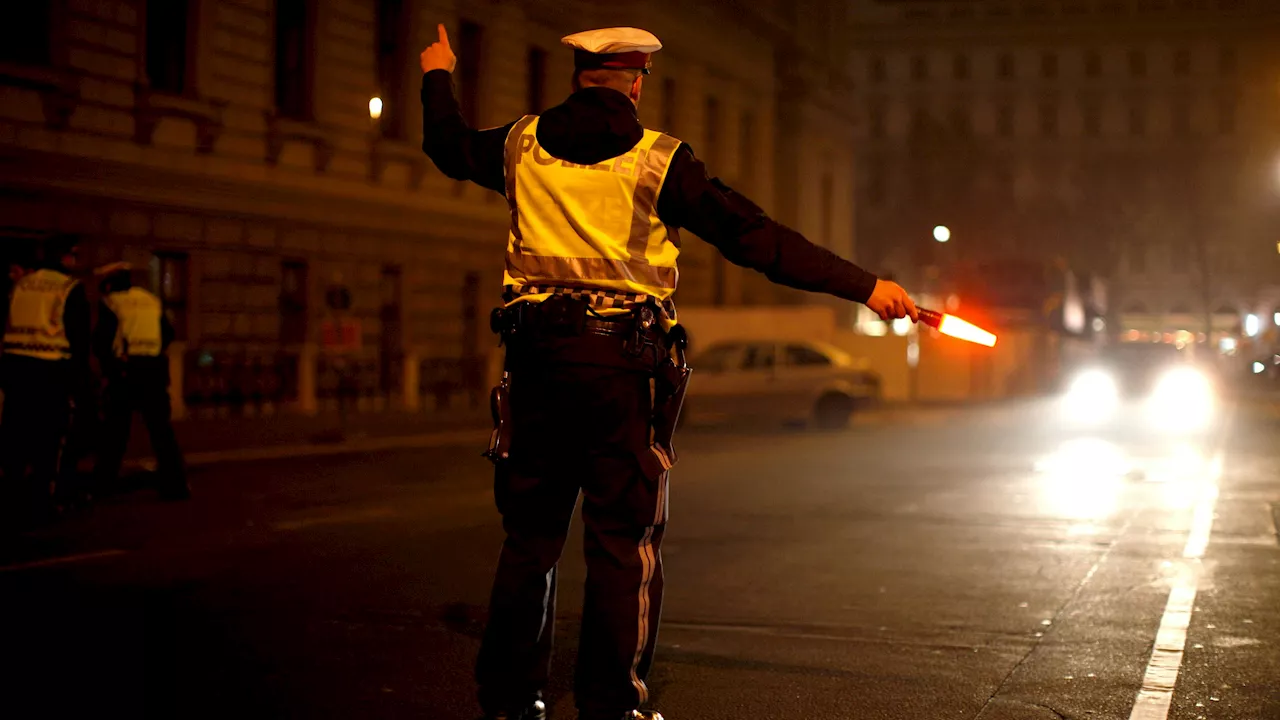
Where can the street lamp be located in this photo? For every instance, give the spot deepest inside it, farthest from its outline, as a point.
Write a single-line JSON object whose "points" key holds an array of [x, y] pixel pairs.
{"points": [[375, 108], [942, 233]]}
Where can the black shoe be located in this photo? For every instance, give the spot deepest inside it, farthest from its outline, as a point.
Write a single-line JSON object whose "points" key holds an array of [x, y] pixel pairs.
{"points": [[536, 711]]}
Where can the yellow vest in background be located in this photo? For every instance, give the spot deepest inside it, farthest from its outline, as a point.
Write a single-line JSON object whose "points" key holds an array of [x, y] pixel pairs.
{"points": [[35, 326], [593, 227], [139, 313]]}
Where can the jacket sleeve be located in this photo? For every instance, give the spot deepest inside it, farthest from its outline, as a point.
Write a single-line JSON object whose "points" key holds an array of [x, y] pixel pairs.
{"points": [[167, 333], [104, 335], [746, 236], [457, 150]]}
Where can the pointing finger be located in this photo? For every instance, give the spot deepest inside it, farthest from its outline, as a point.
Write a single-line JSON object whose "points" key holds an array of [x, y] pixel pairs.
{"points": [[444, 34]]}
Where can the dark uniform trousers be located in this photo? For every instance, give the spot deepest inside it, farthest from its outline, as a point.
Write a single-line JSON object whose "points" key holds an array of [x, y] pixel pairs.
{"points": [[37, 410], [143, 387], [580, 412]]}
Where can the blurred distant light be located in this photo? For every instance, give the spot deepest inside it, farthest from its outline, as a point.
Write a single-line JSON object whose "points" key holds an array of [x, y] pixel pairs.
{"points": [[901, 326], [1252, 325], [953, 304], [1227, 345], [942, 233], [913, 352], [1258, 368], [375, 107], [1276, 318], [1099, 324]]}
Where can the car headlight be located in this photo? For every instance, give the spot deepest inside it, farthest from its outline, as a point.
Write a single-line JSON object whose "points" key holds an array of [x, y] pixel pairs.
{"points": [[1183, 399], [1091, 397]]}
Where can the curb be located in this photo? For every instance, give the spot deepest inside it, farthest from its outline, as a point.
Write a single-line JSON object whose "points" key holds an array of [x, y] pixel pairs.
{"points": [[449, 438]]}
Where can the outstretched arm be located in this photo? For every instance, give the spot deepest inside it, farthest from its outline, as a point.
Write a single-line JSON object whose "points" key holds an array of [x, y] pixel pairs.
{"points": [[746, 236], [459, 151]]}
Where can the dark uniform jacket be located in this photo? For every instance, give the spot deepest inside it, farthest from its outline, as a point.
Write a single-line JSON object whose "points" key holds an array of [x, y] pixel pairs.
{"points": [[595, 124]]}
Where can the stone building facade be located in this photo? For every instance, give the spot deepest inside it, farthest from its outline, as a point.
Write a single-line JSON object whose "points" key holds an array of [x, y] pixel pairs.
{"points": [[228, 149], [1135, 139]]}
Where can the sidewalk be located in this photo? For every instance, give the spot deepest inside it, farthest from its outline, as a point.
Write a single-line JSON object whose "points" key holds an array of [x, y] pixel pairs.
{"points": [[246, 438]]}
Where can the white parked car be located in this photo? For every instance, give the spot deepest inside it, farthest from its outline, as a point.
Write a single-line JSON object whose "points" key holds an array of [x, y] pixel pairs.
{"points": [[785, 380]]}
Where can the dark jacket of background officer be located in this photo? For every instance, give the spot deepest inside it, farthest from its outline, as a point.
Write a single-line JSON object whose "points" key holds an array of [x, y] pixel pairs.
{"points": [[131, 342], [44, 368], [579, 389]]}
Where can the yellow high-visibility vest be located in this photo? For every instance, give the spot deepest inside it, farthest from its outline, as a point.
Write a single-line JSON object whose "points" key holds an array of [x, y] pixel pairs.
{"points": [[35, 326], [138, 330], [593, 227]]}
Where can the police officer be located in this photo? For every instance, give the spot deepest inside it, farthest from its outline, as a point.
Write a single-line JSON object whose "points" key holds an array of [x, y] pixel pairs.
{"points": [[130, 341], [45, 366], [597, 202]]}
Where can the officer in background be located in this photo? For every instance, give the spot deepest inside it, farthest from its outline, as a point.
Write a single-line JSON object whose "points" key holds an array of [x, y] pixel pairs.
{"points": [[45, 366], [131, 342], [596, 204]]}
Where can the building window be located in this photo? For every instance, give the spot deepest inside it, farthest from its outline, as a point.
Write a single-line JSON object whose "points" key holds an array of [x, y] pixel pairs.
{"points": [[1092, 64], [1004, 121], [1005, 66], [669, 99], [470, 53], [171, 281], [919, 122], [1182, 62], [168, 36], [1226, 116], [877, 191], [1092, 120], [293, 302], [1049, 119], [919, 68], [536, 89], [876, 121], [960, 67], [1227, 60], [827, 198], [711, 125], [1137, 121], [1181, 121], [1137, 257], [1137, 63], [876, 71], [747, 153], [392, 49], [295, 51], [391, 337], [961, 122], [1049, 66], [25, 32]]}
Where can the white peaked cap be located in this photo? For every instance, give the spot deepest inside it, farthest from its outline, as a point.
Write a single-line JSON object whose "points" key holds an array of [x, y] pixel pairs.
{"points": [[610, 41]]}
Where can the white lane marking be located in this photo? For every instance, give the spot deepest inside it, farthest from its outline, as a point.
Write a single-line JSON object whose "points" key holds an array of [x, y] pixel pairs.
{"points": [[1156, 695], [48, 562]]}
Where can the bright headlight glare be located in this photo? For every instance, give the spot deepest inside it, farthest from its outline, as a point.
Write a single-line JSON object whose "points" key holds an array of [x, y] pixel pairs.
{"points": [[1183, 399], [1092, 396]]}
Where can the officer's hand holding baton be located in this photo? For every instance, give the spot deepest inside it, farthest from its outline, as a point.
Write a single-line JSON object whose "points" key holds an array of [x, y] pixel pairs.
{"points": [[891, 302], [438, 55]]}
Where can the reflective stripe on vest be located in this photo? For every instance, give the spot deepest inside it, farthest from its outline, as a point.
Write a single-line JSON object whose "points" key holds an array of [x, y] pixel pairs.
{"points": [[35, 326], [138, 330], [594, 227]]}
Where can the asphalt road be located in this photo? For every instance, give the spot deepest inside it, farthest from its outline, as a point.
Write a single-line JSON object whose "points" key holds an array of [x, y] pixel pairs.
{"points": [[939, 564]]}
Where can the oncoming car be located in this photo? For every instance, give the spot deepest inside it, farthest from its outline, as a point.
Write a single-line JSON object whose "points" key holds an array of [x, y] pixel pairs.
{"points": [[787, 381], [1145, 387]]}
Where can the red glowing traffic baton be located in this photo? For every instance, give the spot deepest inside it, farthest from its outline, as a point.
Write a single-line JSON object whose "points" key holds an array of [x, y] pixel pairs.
{"points": [[956, 328]]}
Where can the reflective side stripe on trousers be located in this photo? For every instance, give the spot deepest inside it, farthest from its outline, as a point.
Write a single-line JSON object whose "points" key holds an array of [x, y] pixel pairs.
{"points": [[649, 566]]}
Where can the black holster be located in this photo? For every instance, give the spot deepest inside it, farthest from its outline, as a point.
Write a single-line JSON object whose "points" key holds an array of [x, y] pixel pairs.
{"points": [[671, 382], [500, 407]]}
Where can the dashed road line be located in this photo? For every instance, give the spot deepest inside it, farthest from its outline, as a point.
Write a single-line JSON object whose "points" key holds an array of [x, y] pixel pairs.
{"points": [[1156, 695]]}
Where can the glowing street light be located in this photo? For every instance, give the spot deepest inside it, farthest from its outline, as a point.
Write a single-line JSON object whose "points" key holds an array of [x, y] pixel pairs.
{"points": [[375, 107], [1252, 326], [942, 233]]}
